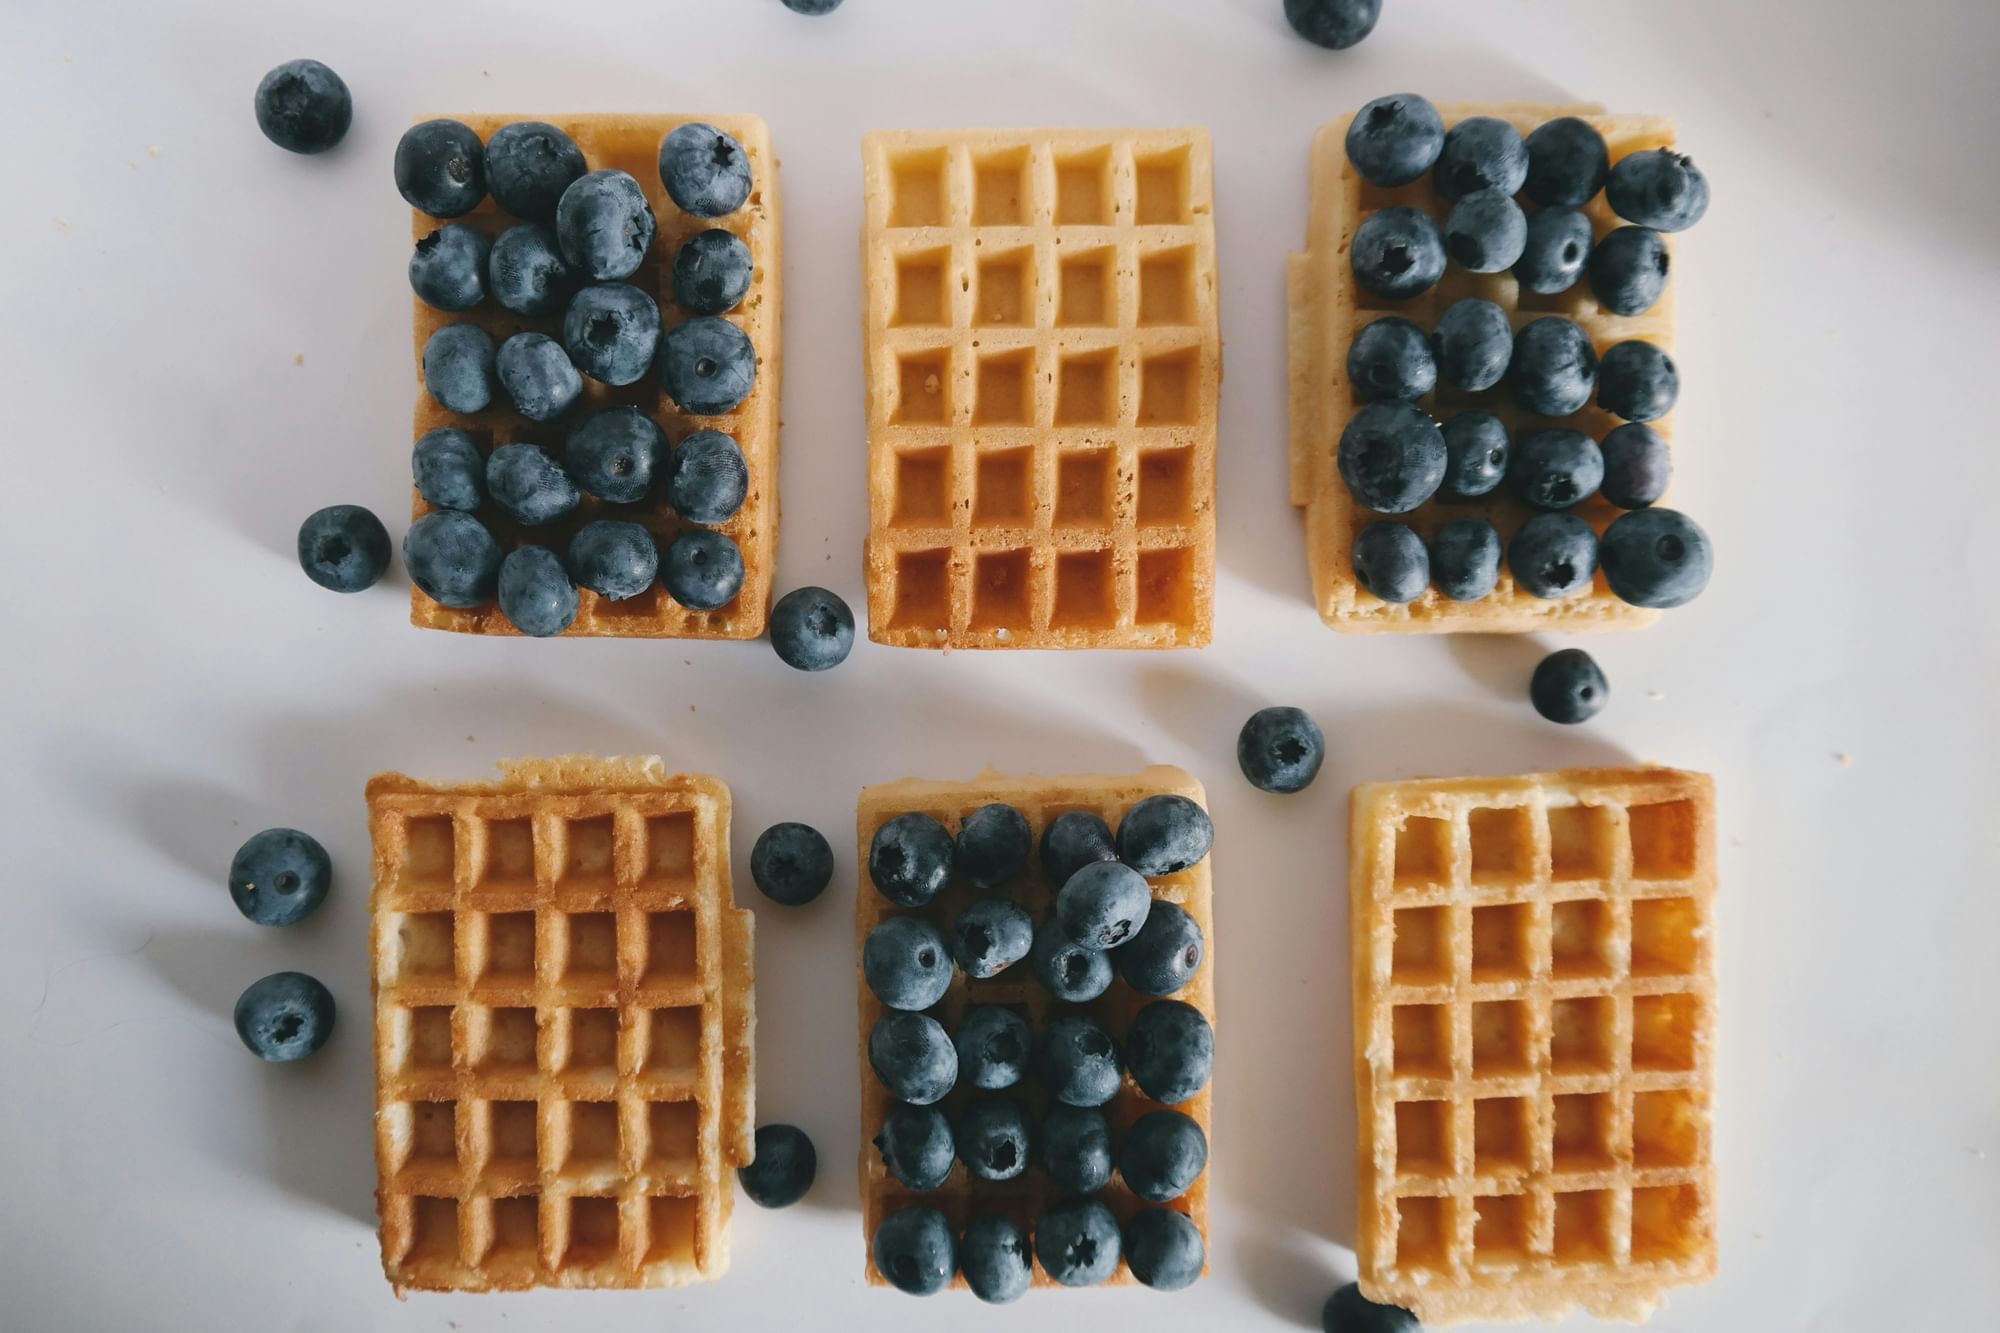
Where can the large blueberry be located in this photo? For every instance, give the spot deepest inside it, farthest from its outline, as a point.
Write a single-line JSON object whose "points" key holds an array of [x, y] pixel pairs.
{"points": [[1165, 954], [916, 1146], [1486, 231], [1170, 1051], [811, 629], [527, 272], [1637, 381], [702, 570], [452, 559], [615, 559], [1390, 359], [1656, 557], [708, 366], [991, 935], [1567, 163], [1067, 970], [993, 845], [1390, 561], [1473, 342], [458, 368], [707, 478], [913, 1057], [1637, 466], [1279, 750], [1554, 370], [782, 1169], [906, 963], [285, 1016], [909, 859], [1076, 1147], [705, 170], [279, 876], [992, 1136], [791, 863], [1104, 904], [1481, 153], [343, 548], [1465, 559], [441, 168], [538, 376], [1628, 270], [1555, 252], [1164, 1249], [1476, 453], [1392, 457], [1164, 835], [529, 484], [1568, 687], [303, 107], [1163, 1154], [1079, 1062], [1348, 1311], [615, 453], [994, 1045], [604, 225], [1553, 555], [1078, 1243], [915, 1250], [994, 1253], [1395, 139], [1658, 188], [612, 330], [712, 272], [536, 594], [1556, 468], [1071, 841], [1334, 24], [448, 267], [1398, 253], [528, 166]]}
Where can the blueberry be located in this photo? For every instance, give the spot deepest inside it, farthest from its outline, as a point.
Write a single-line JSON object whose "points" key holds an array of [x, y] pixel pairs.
{"points": [[1567, 163], [528, 166], [285, 1016], [538, 376], [711, 272], [1170, 1049], [706, 171], [1557, 250], [1066, 969], [613, 454], [1164, 955], [1079, 1062], [1072, 840], [303, 107], [448, 267], [1164, 835], [458, 368], [1637, 381], [344, 548], [812, 8], [536, 594], [1553, 555], [1628, 270], [1554, 368], [913, 1057], [991, 935], [1465, 559], [1476, 454], [612, 331], [1163, 1153], [1658, 188], [916, 1146], [1334, 24], [604, 225], [1393, 140], [449, 472], [1481, 153], [702, 570], [1348, 1311], [909, 859], [614, 559], [1076, 1148], [783, 1168], [279, 876], [527, 272], [1164, 1249], [707, 478], [1279, 750], [1637, 466], [992, 1136], [529, 484], [1656, 557], [1473, 342], [994, 1253], [1391, 359], [1556, 468], [1392, 457], [452, 559], [812, 629], [441, 168], [993, 1047], [907, 963], [1077, 1242], [993, 846], [915, 1250], [1398, 253], [1569, 687], [791, 863], [1103, 905], [1486, 231], [708, 366], [1390, 561]]}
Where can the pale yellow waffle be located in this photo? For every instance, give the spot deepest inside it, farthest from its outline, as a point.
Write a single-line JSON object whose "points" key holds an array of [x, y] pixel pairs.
{"points": [[1022, 1199], [1534, 1022], [1043, 366], [631, 143], [563, 1027], [1328, 308]]}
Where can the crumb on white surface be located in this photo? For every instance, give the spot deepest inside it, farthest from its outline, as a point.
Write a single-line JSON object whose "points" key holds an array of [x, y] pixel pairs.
{"points": [[1656, 694], [298, 358], [1843, 758]]}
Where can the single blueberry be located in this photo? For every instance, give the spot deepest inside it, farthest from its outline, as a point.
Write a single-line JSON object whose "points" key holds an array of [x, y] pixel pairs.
{"points": [[1392, 457], [812, 629], [702, 570], [1104, 904], [1481, 153], [1071, 841], [527, 272], [449, 472], [1554, 369], [1334, 24], [614, 454], [991, 935], [1165, 954], [1656, 557], [782, 1169], [285, 1016], [1390, 561], [1569, 687], [1076, 1147], [1163, 1153], [1065, 968], [791, 863], [812, 8], [538, 376], [441, 168], [1553, 555], [528, 483], [1077, 1241], [1348, 1311], [994, 1254], [1556, 468], [1567, 163], [536, 594], [1476, 453], [303, 107], [615, 559], [707, 478], [993, 845], [906, 963], [1393, 140], [344, 548], [913, 1057], [994, 1045], [1486, 231], [1397, 253], [916, 1146], [1079, 1062], [1658, 188], [458, 368], [1637, 466], [1465, 559], [708, 366], [1170, 1049], [915, 1250], [1637, 381], [1164, 1249], [992, 1136], [448, 267], [452, 559], [1164, 835], [1557, 250], [711, 272], [1391, 359], [706, 171], [604, 225], [1628, 270], [1279, 750], [528, 166], [909, 859], [1473, 342], [612, 331], [279, 876]]}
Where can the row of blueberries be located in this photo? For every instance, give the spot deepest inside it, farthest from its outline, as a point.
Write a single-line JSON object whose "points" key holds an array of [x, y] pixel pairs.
{"points": [[1077, 1239]]}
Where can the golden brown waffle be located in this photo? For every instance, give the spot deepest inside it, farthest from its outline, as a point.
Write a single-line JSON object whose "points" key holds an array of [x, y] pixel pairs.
{"points": [[563, 1027], [1043, 368], [632, 144], [1328, 308], [963, 1196], [1534, 1001]]}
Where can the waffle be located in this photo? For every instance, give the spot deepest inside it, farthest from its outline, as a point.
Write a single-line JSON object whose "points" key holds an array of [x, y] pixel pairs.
{"points": [[632, 144], [1024, 1198], [1534, 1000], [563, 1028], [1043, 366], [1328, 307]]}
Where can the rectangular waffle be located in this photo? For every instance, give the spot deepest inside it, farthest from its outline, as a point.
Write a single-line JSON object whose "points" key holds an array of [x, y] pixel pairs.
{"points": [[631, 143], [1043, 367], [563, 1027], [1328, 308], [1040, 799], [1534, 1002]]}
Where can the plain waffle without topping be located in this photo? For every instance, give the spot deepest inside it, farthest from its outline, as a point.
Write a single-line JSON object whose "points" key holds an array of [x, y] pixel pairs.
{"points": [[563, 1027], [632, 144], [1534, 1000], [1043, 363], [1328, 308], [1022, 1199]]}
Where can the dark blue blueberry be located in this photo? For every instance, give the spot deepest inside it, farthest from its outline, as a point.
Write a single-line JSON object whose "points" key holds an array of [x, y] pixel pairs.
{"points": [[1481, 153], [1072, 840], [441, 168], [783, 1168], [285, 1016], [1165, 954], [1553, 555], [529, 484], [992, 1136], [527, 272], [1079, 1062], [528, 166], [993, 845], [1170, 1049], [612, 331], [1656, 557], [994, 1253], [1476, 453], [1164, 835], [812, 629], [303, 107], [1279, 750], [702, 570], [915, 1250], [1390, 561], [913, 1057], [1465, 559], [1391, 359], [449, 471], [791, 863], [613, 454], [909, 859], [279, 876], [1569, 687], [1163, 1153], [1473, 342], [1076, 1148], [1628, 270], [812, 8], [344, 548], [458, 368], [1555, 367], [1077, 1242], [538, 376], [1164, 1249], [1637, 466], [1393, 140], [1103, 905], [1348, 1311], [1556, 468], [711, 272], [452, 559], [994, 1045], [448, 267], [1556, 252], [916, 1146], [1334, 24], [1658, 188], [614, 559], [604, 225], [1637, 381], [1069, 971], [1392, 457], [906, 963], [706, 171], [1486, 231], [1398, 253], [1567, 163], [707, 478], [708, 366], [536, 594], [991, 934]]}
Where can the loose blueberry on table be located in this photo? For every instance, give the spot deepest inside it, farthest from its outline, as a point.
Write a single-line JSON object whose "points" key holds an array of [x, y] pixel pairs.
{"points": [[284, 1017], [791, 863], [279, 876], [1569, 687], [1279, 750], [783, 1168], [303, 107]]}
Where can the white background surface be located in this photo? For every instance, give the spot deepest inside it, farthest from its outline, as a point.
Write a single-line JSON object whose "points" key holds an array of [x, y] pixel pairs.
{"points": [[172, 683]]}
